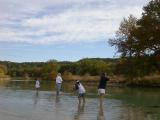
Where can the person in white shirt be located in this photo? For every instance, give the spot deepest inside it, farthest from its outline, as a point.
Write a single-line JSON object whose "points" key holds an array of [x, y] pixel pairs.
{"points": [[37, 85], [58, 83], [81, 91]]}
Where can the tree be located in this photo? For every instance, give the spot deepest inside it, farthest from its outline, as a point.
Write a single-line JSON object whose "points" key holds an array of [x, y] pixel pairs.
{"points": [[148, 30], [148, 33], [124, 40], [93, 67], [3, 70], [49, 70], [138, 42]]}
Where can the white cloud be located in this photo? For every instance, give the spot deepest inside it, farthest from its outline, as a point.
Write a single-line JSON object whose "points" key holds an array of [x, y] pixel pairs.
{"points": [[59, 21]]}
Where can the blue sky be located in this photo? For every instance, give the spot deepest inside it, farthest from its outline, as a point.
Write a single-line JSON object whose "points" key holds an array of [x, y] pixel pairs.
{"points": [[65, 30]]}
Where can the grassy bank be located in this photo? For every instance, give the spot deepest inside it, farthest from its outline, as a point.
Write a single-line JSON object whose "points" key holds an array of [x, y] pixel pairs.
{"points": [[81, 78], [5, 78], [147, 81]]}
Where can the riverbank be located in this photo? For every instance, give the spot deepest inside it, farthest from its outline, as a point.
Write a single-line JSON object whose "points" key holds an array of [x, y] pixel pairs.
{"points": [[5, 77], [146, 81]]}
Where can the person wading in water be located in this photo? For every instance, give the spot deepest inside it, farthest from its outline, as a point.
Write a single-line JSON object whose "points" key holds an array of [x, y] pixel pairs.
{"points": [[81, 91], [58, 83], [101, 90]]}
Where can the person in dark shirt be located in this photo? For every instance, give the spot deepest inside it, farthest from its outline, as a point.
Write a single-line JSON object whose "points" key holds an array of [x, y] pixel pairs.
{"points": [[102, 87]]}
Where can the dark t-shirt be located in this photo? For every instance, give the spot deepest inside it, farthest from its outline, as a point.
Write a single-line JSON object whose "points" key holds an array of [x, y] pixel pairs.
{"points": [[103, 82]]}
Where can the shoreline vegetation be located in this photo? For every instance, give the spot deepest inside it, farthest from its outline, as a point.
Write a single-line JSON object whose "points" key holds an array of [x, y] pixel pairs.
{"points": [[146, 81], [85, 70], [119, 81], [5, 77]]}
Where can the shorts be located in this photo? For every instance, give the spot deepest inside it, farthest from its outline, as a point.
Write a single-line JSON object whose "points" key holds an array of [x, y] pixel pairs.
{"points": [[37, 86], [101, 91], [58, 86], [81, 95]]}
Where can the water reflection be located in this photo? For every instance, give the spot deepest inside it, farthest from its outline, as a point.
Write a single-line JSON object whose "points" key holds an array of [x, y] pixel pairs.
{"points": [[4, 83], [80, 111], [36, 98], [100, 115], [57, 98], [121, 104]]}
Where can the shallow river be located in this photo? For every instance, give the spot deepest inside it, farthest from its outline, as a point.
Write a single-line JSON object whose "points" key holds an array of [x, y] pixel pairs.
{"points": [[20, 101]]}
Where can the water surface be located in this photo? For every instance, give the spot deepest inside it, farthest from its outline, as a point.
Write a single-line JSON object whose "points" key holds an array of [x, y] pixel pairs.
{"points": [[20, 101]]}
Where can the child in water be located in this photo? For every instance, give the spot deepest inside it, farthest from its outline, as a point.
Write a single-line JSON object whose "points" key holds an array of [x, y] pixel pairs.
{"points": [[37, 85], [81, 91]]}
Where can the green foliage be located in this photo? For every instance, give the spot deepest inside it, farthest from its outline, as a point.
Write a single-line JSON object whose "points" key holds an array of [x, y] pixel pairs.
{"points": [[148, 30], [124, 40], [3, 70], [48, 70], [93, 67], [138, 42]]}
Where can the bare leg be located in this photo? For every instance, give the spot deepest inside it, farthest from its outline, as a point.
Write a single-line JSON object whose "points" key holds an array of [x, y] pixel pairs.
{"points": [[101, 100], [101, 114], [57, 89]]}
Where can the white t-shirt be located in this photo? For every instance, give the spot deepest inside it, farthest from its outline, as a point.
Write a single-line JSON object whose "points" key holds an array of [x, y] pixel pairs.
{"points": [[81, 89], [37, 84], [59, 79]]}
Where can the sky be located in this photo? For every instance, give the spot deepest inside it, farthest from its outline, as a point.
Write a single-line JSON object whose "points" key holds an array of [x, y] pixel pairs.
{"points": [[65, 30]]}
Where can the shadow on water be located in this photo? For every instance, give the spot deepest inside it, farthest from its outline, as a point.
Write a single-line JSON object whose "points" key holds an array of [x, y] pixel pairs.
{"points": [[100, 115], [36, 98], [79, 112]]}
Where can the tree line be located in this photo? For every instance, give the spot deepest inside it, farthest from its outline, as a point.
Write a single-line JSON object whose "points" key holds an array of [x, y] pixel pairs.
{"points": [[48, 70]]}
